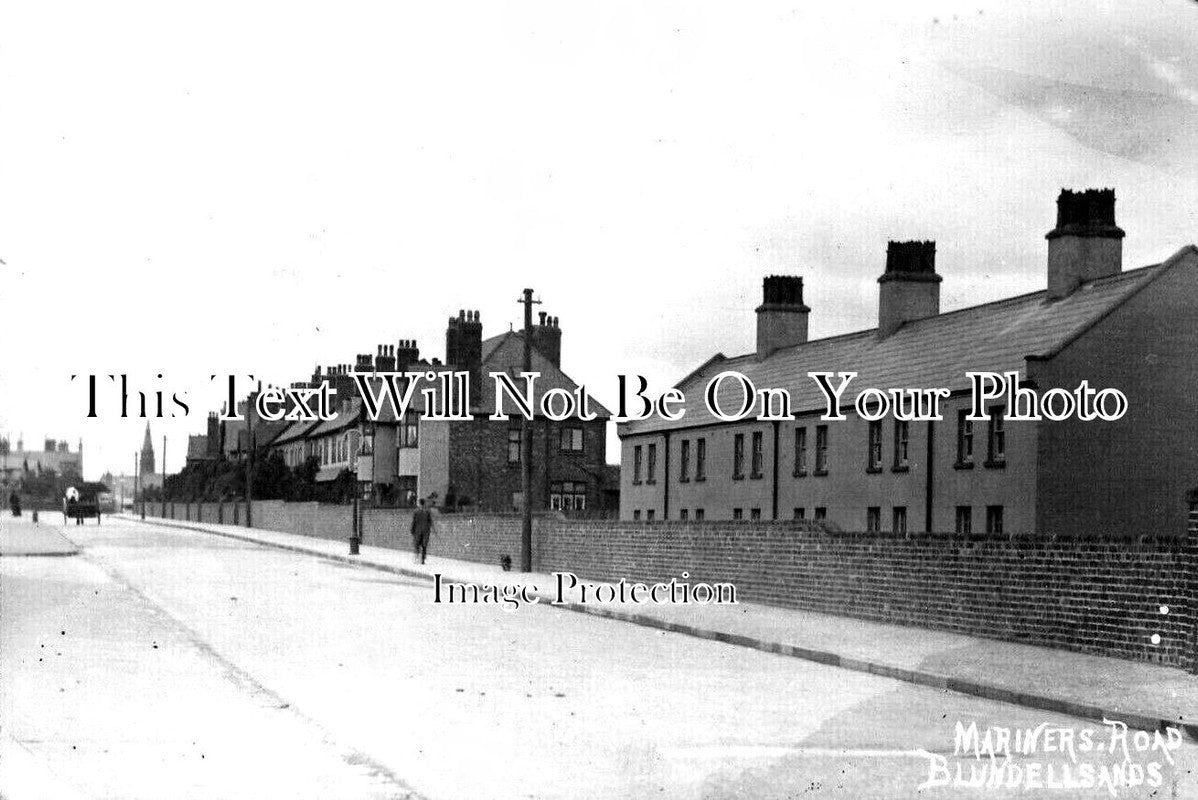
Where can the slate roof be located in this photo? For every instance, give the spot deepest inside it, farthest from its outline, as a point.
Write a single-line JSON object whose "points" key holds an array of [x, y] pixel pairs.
{"points": [[298, 429], [346, 417], [197, 447], [505, 353], [927, 353]]}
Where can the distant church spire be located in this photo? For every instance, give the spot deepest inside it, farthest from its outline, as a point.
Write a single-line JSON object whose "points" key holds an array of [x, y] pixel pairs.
{"points": [[147, 454]]}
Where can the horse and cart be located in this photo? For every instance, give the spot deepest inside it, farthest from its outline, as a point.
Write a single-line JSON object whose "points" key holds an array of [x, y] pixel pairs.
{"points": [[79, 507]]}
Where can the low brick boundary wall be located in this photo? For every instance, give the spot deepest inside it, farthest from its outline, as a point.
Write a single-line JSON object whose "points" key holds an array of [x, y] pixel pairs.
{"points": [[1092, 595], [1095, 595]]}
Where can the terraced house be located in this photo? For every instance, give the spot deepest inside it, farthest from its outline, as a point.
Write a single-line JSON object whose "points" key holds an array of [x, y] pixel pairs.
{"points": [[472, 462], [1134, 330]]}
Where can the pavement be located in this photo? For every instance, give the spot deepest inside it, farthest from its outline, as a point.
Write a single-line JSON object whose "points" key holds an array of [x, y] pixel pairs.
{"points": [[163, 662], [27, 539], [1143, 695]]}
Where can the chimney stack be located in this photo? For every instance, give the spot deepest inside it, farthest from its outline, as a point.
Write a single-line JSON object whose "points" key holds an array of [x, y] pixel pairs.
{"points": [[781, 317], [910, 288], [406, 354], [385, 360], [464, 343], [1086, 244], [212, 443], [547, 338]]}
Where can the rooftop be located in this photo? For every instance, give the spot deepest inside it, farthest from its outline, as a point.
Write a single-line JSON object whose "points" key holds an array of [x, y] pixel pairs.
{"points": [[933, 352]]}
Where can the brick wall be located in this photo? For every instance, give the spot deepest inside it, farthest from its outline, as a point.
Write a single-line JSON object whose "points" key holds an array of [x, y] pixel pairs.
{"points": [[1092, 594], [479, 468], [1097, 595]]}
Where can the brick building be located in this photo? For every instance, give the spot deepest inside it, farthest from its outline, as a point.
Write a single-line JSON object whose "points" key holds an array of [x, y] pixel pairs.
{"points": [[1136, 331], [474, 462]]}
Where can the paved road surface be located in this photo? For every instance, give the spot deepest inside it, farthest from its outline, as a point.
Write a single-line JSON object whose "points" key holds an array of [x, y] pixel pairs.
{"points": [[163, 663]]}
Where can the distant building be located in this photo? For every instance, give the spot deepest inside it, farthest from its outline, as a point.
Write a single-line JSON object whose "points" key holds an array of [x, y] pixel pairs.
{"points": [[205, 446], [122, 488], [476, 463], [1136, 331], [146, 465], [55, 456]]}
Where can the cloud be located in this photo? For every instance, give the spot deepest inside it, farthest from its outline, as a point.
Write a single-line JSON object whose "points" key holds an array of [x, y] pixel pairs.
{"points": [[1138, 125]]}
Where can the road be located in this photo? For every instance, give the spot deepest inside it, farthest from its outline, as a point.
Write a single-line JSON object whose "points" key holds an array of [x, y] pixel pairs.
{"points": [[164, 663]]}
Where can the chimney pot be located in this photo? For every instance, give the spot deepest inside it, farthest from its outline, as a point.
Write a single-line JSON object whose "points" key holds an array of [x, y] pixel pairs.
{"points": [[1086, 244], [542, 316], [782, 316], [911, 258], [909, 289]]}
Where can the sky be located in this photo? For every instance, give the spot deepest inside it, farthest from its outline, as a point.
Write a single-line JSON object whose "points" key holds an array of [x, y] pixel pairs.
{"points": [[258, 188]]}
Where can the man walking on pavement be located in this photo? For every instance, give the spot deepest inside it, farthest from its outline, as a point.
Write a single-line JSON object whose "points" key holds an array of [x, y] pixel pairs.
{"points": [[422, 527]]}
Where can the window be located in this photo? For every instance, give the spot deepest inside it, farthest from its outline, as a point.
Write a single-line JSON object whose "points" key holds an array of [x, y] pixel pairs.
{"points": [[899, 519], [964, 439], [800, 452], [518, 502], [800, 513], [684, 462], [570, 440], [902, 435], [755, 513], [964, 519], [568, 496], [996, 454], [698, 515], [513, 446], [874, 463], [652, 468], [821, 513], [684, 515], [636, 515], [410, 436], [649, 515], [738, 456], [738, 513], [873, 519], [821, 449], [636, 464], [993, 519], [365, 446], [700, 459], [755, 466]]}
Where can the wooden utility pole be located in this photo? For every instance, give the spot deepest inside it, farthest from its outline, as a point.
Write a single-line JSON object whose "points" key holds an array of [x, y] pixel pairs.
{"points": [[164, 474], [526, 444]]}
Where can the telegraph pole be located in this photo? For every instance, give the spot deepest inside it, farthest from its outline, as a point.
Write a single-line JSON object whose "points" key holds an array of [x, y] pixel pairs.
{"points": [[526, 443], [137, 486], [164, 474]]}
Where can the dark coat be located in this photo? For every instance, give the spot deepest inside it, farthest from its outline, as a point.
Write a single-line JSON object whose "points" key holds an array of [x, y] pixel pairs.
{"points": [[422, 523]]}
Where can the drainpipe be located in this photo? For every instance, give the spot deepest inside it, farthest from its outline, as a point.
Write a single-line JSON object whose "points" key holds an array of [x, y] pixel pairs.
{"points": [[665, 474], [776, 425], [927, 509]]}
